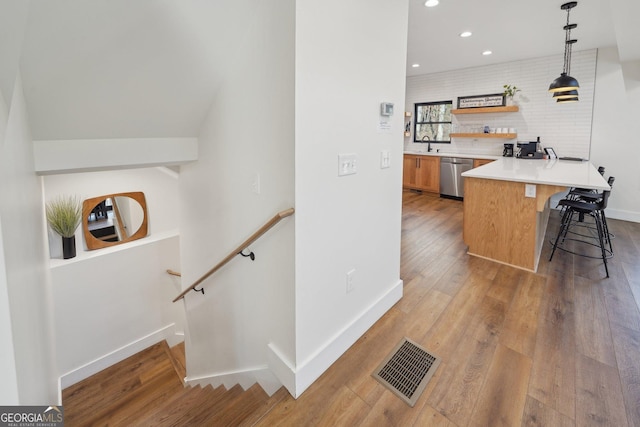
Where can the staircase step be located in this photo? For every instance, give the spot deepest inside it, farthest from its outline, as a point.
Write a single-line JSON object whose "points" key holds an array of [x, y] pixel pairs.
{"points": [[173, 409], [146, 390], [209, 402], [245, 408]]}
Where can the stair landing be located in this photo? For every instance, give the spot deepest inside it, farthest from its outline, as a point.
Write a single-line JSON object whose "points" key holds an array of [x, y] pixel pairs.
{"points": [[147, 389]]}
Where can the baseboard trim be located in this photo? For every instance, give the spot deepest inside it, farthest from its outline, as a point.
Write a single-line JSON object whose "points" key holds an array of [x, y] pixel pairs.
{"points": [[118, 355], [623, 215], [298, 379]]}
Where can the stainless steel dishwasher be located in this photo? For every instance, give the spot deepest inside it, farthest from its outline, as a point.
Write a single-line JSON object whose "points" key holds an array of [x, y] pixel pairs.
{"points": [[451, 169]]}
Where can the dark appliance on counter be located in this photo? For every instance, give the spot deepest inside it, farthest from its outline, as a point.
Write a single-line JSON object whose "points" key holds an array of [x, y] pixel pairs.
{"points": [[508, 150], [451, 182], [529, 150]]}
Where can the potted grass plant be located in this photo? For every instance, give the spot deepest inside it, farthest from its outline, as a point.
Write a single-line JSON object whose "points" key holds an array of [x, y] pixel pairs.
{"points": [[64, 215]]}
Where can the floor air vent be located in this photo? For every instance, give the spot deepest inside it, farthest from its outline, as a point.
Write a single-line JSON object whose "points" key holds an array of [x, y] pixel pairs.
{"points": [[407, 370]]}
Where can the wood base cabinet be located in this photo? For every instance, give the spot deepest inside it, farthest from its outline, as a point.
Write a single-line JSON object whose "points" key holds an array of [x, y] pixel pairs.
{"points": [[421, 173], [480, 162]]}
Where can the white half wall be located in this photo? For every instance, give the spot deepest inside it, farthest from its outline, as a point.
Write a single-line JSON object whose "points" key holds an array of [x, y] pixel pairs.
{"points": [[111, 303], [243, 177], [114, 304], [346, 66]]}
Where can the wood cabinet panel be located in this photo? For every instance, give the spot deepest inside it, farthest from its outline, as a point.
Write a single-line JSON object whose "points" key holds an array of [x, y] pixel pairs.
{"points": [[480, 162], [421, 173]]}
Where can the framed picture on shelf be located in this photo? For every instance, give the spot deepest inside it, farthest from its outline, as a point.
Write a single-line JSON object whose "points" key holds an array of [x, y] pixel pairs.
{"points": [[479, 101]]}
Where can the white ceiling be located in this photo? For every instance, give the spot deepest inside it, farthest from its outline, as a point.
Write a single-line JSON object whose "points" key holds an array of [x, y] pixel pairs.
{"points": [[126, 69], [511, 29], [150, 68]]}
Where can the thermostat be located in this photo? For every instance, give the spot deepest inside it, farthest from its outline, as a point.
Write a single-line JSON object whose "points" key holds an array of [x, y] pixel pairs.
{"points": [[386, 109]]}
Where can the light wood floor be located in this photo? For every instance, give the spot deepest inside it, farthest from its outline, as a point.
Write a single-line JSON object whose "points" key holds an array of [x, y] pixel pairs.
{"points": [[556, 348]]}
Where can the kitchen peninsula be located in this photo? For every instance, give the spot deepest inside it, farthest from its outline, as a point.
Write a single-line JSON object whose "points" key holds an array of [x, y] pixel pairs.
{"points": [[506, 205]]}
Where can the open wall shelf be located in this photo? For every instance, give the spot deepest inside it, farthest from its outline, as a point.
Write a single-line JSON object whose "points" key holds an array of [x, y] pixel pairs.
{"points": [[484, 135], [480, 110]]}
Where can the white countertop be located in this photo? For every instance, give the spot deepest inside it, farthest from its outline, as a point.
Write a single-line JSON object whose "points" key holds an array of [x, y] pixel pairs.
{"points": [[551, 172], [452, 154]]}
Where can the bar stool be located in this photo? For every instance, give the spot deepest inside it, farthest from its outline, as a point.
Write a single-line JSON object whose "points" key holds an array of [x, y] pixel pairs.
{"points": [[575, 192], [587, 204], [595, 197]]}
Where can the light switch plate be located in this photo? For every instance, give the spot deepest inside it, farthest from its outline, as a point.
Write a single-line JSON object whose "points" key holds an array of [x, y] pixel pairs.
{"points": [[385, 159], [347, 164]]}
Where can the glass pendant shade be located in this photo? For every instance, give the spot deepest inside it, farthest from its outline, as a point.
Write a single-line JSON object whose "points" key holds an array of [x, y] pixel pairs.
{"points": [[564, 83], [565, 95]]}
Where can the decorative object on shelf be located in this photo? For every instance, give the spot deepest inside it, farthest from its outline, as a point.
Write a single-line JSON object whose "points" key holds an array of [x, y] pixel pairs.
{"points": [[114, 219], [510, 92], [479, 101], [564, 86], [64, 215]]}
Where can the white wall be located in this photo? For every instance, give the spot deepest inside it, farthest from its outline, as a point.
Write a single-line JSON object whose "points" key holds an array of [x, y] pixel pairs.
{"points": [[114, 304], [599, 127], [159, 185], [565, 127], [345, 67], [122, 294], [9, 385], [248, 131], [25, 261], [614, 141]]}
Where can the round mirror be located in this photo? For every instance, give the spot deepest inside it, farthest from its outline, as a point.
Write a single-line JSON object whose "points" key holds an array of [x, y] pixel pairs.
{"points": [[113, 219]]}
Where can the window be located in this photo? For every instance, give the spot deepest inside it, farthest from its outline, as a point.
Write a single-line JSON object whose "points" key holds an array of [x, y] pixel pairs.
{"points": [[433, 122]]}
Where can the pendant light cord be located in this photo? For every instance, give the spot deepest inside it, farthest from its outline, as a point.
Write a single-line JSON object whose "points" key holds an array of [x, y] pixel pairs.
{"points": [[567, 46]]}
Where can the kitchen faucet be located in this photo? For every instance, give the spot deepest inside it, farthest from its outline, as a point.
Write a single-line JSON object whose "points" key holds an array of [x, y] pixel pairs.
{"points": [[428, 143]]}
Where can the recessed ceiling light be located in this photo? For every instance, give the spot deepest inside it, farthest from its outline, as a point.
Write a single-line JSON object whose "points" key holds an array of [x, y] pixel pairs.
{"points": [[431, 3], [415, 65], [487, 52], [465, 34]]}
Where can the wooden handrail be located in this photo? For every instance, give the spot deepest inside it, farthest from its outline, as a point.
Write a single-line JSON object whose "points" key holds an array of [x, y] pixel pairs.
{"points": [[174, 273], [273, 221]]}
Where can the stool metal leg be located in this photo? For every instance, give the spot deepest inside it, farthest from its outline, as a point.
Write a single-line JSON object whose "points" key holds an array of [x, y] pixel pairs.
{"points": [[601, 238], [564, 227]]}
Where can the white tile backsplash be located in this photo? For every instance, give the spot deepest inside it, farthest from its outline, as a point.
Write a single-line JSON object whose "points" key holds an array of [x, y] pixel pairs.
{"points": [[565, 127]]}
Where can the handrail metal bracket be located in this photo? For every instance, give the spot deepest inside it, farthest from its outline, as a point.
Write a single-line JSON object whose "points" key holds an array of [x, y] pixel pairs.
{"points": [[198, 290], [238, 251], [249, 255]]}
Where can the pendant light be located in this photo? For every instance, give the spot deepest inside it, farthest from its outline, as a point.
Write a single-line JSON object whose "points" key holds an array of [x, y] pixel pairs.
{"points": [[565, 82], [567, 100], [565, 94]]}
